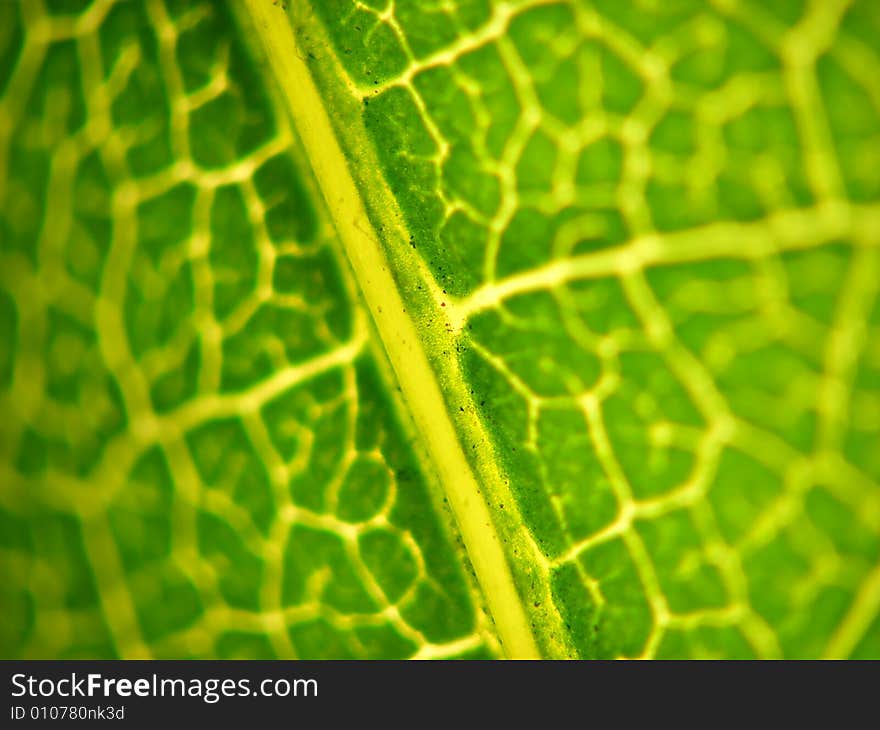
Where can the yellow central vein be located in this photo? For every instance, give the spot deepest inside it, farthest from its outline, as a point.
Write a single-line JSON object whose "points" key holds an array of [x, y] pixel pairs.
{"points": [[397, 330]]}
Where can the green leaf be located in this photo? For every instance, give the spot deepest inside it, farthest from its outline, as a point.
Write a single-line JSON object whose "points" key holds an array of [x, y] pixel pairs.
{"points": [[373, 329]]}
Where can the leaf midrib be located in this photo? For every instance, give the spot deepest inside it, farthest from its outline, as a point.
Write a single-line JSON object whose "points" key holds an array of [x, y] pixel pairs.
{"points": [[397, 330]]}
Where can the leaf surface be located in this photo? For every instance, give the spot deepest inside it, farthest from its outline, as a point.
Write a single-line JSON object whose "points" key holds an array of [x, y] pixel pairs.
{"points": [[643, 257], [279, 284]]}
